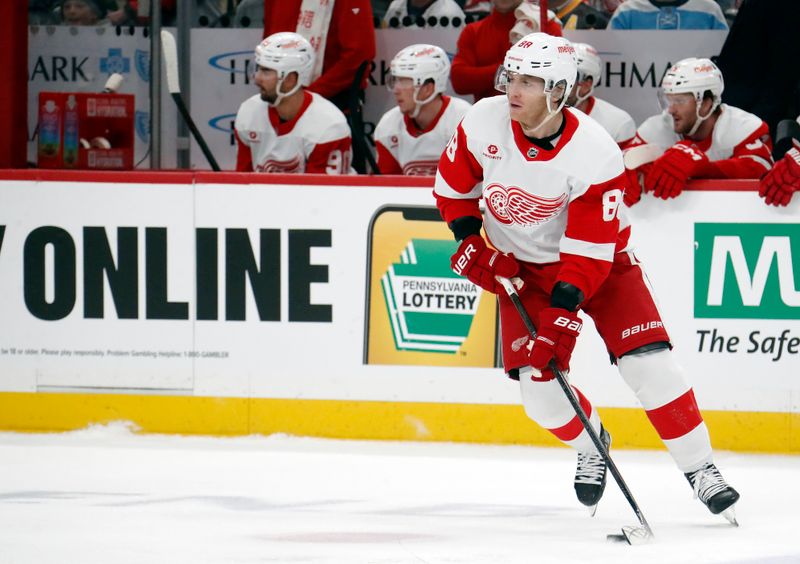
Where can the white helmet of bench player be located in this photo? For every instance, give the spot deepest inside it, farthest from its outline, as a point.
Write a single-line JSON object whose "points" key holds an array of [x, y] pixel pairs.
{"points": [[543, 56], [693, 76], [589, 66], [286, 52], [422, 63]]}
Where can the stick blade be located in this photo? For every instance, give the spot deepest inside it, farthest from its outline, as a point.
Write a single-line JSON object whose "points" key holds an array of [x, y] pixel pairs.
{"points": [[632, 536], [641, 155], [170, 52]]}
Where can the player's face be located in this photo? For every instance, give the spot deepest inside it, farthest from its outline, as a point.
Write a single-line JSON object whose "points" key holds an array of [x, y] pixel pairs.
{"points": [[403, 92], [267, 82], [581, 88], [682, 108], [526, 99], [78, 12]]}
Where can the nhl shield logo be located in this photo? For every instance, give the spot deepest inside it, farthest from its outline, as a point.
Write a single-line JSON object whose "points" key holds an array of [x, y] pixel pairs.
{"points": [[532, 152]]}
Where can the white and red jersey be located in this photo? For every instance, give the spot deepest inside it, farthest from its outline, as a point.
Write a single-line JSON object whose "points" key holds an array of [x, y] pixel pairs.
{"points": [[738, 147], [317, 139], [404, 149], [616, 121], [544, 206]]}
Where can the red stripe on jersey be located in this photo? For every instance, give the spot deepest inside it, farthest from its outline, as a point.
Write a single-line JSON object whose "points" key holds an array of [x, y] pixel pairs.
{"points": [[742, 164], [387, 164], [451, 209], [244, 158], [571, 430], [330, 158], [282, 128], [411, 125], [677, 418], [458, 166], [623, 237]]}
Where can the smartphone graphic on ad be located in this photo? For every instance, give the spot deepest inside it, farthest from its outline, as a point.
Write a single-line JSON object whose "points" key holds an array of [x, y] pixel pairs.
{"points": [[417, 311]]}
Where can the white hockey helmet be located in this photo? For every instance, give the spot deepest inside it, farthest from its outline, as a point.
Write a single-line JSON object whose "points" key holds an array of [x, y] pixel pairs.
{"points": [[589, 63], [421, 63], [693, 76], [286, 52], [544, 56]]}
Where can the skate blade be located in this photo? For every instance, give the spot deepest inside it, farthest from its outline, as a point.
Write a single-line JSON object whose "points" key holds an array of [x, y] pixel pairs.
{"points": [[592, 509], [632, 536], [730, 515]]}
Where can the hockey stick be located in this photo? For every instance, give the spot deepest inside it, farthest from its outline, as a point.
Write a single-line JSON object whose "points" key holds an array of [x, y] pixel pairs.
{"points": [[631, 535], [170, 51]]}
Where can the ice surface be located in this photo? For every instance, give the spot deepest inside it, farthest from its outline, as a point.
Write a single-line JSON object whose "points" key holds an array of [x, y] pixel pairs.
{"points": [[107, 495]]}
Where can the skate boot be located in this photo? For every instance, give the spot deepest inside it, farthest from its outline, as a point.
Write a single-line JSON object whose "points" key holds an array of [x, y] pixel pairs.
{"points": [[712, 489], [590, 476]]}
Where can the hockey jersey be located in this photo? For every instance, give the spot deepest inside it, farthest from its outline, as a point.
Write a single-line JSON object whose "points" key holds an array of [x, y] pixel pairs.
{"points": [[438, 9], [404, 149], [616, 121], [317, 140], [691, 14], [544, 206], [738, 147]]}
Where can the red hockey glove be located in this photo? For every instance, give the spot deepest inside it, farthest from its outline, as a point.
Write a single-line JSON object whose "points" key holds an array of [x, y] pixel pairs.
{"points": [[555, 338], [782, 181], [671, 170], [480, 264], [633, 190]]}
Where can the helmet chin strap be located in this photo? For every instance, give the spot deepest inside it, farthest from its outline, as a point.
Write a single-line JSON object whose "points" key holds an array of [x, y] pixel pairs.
{"points": [[579, 100], [419, 103], [551, 113], [700, 119], [279, 96]]}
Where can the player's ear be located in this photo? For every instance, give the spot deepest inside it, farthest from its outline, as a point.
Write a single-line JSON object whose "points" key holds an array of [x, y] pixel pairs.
{"points": [[289, 82]]}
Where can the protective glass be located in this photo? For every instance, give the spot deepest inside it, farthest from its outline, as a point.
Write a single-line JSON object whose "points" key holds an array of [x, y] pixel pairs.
{"points": [[399, 82], [665, 101]]}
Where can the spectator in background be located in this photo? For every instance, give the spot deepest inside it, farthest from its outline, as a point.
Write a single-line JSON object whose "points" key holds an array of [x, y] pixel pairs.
{"points": [[759, 60], [668, 14], [477, 7], [616, 121], [411, 136], [425, 8], [703, 138], [576, 14], [43, 12], [84, 12], [285, 128], [482, 46]]}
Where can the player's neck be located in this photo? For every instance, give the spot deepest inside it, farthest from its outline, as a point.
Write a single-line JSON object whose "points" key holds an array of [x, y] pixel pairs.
{"points": [[428, 113], [584, 105], [290, 106], [706, 128], [535, 131]]}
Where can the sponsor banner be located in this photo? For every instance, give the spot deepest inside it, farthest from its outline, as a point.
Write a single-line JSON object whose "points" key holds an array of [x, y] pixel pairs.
{"points": [[81, 59], [259, 291]]}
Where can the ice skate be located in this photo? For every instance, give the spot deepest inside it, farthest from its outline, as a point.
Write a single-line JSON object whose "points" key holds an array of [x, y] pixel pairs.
{"points": [[712, 489], [590, 476]]}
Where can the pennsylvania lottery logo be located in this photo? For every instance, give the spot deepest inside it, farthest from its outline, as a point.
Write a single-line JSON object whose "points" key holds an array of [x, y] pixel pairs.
{"points": [[430, 307]]}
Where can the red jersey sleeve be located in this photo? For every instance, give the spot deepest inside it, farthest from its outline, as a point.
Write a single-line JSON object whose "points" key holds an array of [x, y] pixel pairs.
{"points": [[752, 158], [589, 242], [457, 186], [387, 164], [332, 157], [244, 159]]}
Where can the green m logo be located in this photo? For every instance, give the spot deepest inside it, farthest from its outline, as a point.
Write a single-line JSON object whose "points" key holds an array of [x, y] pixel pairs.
{"points": [[747, 270]]}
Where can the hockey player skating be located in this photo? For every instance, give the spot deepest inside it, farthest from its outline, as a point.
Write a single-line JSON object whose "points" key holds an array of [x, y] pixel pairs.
{"points": [[552, 181], [286, 128], [410, 137], [616, 121], [700, 137]]}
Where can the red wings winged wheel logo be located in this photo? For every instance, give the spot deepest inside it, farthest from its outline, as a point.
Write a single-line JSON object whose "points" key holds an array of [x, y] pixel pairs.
{"points": [[514, 205]]}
